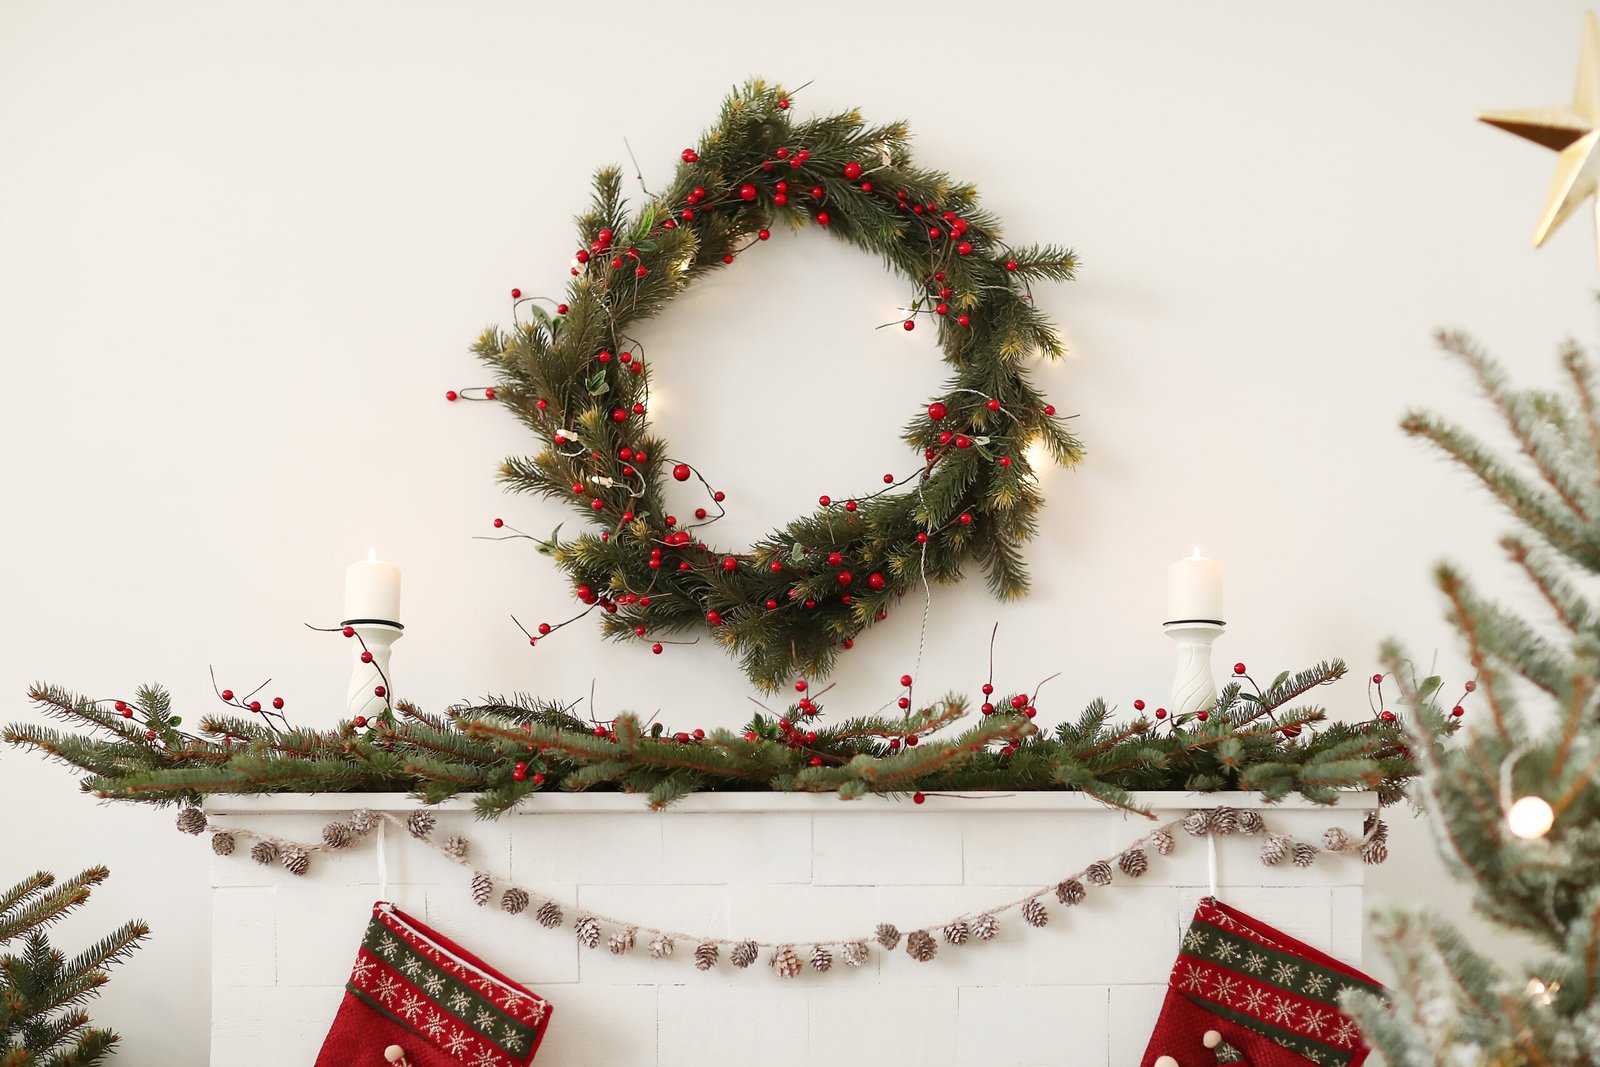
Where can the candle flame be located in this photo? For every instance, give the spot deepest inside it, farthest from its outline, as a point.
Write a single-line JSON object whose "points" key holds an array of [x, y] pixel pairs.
{"points": [[372, 554], [1196, 553]]}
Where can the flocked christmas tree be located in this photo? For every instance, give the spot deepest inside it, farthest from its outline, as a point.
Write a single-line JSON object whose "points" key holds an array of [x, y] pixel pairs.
{"points": [[1513, 802], [42, 990]]}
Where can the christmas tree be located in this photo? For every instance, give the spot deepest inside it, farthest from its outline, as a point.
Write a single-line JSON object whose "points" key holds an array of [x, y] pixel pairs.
{"points": [[42, 991], [1512, 802]]}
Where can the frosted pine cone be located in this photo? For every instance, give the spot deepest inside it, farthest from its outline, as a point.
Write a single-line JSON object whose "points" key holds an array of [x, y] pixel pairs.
{"points": [[1274, 849], [1034, 913], [921, 946], [549, 915], [1133, 862], [660, 947], [856, 953], [482, 888], [587, 931], [984, 927], [705, 956], [191, 821], [1197, 823], [785, 962], [1250, 822], [296, 862], [1375, 851], [1162, 842], [622, 941], [264, 852], [222, 843], [956, 933], [420, 823], [514, 901], [821, 960], [363, 821], [1224, 820], [1373, 828], [455, 846], [1071, 892], [744, 954], [336, 835], [887, 935], [1099, 873], [1390, 793], [1304, 854], [1335, 839]]}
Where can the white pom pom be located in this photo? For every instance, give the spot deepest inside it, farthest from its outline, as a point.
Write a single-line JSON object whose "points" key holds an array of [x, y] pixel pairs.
{"points": [[1212, 1039], [394, 1053], [1166, 1061]]}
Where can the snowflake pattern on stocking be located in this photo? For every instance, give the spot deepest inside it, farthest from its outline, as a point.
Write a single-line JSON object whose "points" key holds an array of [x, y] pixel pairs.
{"points": [[1283, 974], [1195, 977], [362, 970], [412, 1006], [1317, 983], [1346, 1032], [1255, 962], [1283, 1011], [460, 1002], [1315, 1021]]}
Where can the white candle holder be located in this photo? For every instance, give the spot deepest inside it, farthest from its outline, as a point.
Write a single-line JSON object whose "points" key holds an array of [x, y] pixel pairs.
{"points": [[1193, 687], [379, 638]]}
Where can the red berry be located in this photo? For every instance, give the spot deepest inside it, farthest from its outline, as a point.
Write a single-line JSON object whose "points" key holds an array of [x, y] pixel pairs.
{"points": [[835, 558], [1458, 711], [1238, 668], [699, 513], [963, 320], [656, 648], [1161, 713], [1049, 409], [762, 235], [1377, 679], [966, 518], [719, 496], [358, 721], [963, 441], [689, 156], [823, 219], [904, 702], [911, 742], [780, 199], [1138, 705], [964, 248], [888, 479], [488, 394], [450, 394], [875, 580], [1004, 461], [849, 505], [348, 631], [714, 618], [917, 798], [844, 578], [520, 771], [783, 103], [538, 778], [597, 504], [1470, 686], [987, 689], [516, 294], [149, 735], [499, 523], [277, 703], [127, 712], [908, 325], [816, 761], [824, 500], [1387, 716], [905, 680], [771, 604], [937, 411], [366, 657], [727, 258], [1011, 264], [922, 537], [227, 694], [379, 691], [561, 309], [852, 170], [1019, 701], [641, 270], [730, 564], [747, 192], [255, 705]]}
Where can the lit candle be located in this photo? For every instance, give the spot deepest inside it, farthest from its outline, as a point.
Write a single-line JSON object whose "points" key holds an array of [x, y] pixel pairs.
{"points": [[1194, 590], [372, 591]]}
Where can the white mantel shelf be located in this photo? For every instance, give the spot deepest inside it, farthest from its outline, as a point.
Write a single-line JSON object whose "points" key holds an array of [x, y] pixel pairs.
{"points": [[1082, 992]]}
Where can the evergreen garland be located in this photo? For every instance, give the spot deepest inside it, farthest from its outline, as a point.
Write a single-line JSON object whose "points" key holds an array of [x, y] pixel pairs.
{"points": [[1275, 742], [788, 604]]}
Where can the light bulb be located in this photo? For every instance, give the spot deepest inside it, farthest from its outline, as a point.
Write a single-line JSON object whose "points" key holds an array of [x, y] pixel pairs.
{"points": [[372, 554], [1541, 993], [1530, 817]]}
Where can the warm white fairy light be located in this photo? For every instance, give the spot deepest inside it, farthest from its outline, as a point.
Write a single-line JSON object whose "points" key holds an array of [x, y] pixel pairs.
{"points": [[1037, 454], [1542, 993], [1530, 817]]}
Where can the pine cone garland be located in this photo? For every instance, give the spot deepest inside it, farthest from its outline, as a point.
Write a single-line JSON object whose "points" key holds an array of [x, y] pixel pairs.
{"points": [[921, 946], [587, 931], [705, 956], [222, 843], [1375, 840], [984, 927], [1374, 852], [661, 947], [549, 915], [1197, 823], [363, 821], [622, 941], [744, 954], [191, 821], [420, 824], [455, 846], [1034, 913], [887, 935], [514, 901], [1335, 839], [1274, 849], [1224, 820], [296, 862], [1249, 822], [1133, 862], [785, 962], [1071, 892], [264, 852], [856, 954], [1162, 842], [1304, 854], [482, 888], [1098, 873], [821, 960], [1390, 793], [957, 932], [336, 835]]}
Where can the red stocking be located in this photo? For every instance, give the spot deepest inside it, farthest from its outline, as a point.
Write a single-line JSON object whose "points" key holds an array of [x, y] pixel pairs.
{"points": [[417, 999], [1244, 993]]}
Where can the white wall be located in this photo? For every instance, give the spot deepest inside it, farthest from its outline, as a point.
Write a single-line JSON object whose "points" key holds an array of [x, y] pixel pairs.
{"points": [[243, 250]]}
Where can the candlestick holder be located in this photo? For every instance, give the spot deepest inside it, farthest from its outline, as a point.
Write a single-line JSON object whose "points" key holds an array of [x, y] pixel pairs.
{"points": [[1193, 687], [379, 638]]}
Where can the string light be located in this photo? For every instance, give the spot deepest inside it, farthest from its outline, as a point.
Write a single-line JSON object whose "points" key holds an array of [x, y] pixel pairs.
{"points": [[1541, 993], [1530, 818]]}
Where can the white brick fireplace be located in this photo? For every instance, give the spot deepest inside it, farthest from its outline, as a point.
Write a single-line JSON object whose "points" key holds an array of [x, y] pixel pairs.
{"points": [[1082, 991]]}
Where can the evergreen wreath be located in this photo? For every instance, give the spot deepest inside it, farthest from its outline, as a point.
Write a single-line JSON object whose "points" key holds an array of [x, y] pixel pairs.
{"points": [[788, 604]]}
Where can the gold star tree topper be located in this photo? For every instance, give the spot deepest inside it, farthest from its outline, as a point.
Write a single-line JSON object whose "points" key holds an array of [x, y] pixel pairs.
{"points": [[1573, 131]]}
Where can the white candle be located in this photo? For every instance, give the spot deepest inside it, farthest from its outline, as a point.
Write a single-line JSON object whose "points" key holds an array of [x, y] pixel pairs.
{"points": [[1194, 590], [372, 590]]}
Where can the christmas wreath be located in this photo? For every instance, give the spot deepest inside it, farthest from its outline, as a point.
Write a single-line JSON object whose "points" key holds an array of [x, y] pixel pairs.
{"points": [[788, 604]]}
